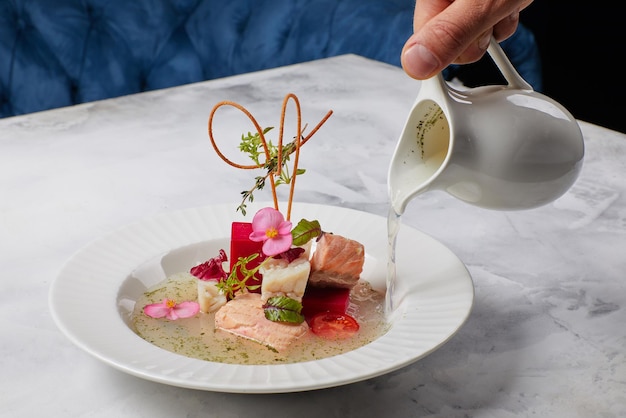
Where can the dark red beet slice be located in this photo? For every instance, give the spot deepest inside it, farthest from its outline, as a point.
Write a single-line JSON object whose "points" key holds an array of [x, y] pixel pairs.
{"points": [[241, 246], [325, 299]]}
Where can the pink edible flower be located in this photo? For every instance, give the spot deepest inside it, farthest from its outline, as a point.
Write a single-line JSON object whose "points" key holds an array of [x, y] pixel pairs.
{"points": [[211, 269], [269, 226], [171, 310]]}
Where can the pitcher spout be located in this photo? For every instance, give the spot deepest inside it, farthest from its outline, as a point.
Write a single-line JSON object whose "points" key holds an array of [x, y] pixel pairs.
{"points": [[421, 153]]}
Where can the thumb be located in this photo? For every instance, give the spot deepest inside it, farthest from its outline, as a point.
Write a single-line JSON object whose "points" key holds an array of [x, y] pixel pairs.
{"points": [[418, 61], [422, 59]]}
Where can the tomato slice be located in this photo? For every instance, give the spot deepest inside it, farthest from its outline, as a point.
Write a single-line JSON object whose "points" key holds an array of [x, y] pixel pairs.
{"points": [[333, 325]]}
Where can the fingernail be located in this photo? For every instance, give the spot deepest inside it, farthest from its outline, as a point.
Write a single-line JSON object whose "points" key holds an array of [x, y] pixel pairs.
{"points": [[420, 62], [483, 43]]}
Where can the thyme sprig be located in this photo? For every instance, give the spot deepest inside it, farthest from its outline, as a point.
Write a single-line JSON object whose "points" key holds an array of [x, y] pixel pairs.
{"points": [[233, 284], [276, 157], [252, 145]]}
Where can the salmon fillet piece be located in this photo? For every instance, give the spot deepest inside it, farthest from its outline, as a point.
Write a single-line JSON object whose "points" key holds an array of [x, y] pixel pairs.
{"points": [[244, 316], [336, 262]]}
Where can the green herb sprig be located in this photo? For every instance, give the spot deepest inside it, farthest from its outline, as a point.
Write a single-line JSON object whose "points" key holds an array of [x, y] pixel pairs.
{"points": [[233, 283], [252, 145]]}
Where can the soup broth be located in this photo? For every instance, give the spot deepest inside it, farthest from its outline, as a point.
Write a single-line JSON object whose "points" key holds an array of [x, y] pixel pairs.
{"points": [[197, 337]]}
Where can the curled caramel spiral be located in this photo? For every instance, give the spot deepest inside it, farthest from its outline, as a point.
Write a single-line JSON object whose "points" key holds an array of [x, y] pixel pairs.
{"points": [[299, 141]]}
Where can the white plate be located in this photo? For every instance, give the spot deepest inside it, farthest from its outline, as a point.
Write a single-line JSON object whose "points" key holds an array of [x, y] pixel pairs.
{"points": [[93, 296]]}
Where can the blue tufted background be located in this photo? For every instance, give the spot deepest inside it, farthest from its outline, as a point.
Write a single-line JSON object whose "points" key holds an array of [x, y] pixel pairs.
{"points": [[57, 53]]}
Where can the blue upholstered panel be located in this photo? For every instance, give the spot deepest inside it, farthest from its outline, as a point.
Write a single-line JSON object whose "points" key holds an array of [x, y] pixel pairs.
{"points": [[61, 52]]}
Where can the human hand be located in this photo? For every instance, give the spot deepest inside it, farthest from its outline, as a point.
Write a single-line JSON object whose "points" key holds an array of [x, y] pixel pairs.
{"points": [[456, 31]]}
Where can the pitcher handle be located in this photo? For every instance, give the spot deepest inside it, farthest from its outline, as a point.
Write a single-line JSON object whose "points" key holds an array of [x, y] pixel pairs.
{"points": [[437, 88], [506, 68]]}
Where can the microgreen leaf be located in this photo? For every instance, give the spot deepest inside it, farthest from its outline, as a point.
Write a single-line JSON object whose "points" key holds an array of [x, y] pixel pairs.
{"points": [[283, 309], [305, 231]]}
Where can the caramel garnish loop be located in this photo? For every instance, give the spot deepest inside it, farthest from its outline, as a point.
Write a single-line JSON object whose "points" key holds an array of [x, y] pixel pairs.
{"points": [[298, 142]]}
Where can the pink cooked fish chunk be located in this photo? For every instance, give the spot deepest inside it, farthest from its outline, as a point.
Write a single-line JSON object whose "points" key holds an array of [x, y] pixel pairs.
{"points": [[336, 262], [244, 316]]}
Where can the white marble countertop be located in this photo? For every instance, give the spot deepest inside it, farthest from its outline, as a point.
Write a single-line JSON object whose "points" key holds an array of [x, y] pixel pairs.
{"points": [[547, 334]]}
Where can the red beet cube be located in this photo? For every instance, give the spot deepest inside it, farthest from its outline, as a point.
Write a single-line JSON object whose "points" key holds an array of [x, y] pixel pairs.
{"points": [[325, 299], [242, 246]]}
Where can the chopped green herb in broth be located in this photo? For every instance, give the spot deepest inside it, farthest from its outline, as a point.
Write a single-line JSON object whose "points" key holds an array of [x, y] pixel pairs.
{"points": [[197, 337]]}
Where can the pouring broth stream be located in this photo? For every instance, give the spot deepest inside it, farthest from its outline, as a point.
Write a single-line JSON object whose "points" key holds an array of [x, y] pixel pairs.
{"points": [[421, 161]]}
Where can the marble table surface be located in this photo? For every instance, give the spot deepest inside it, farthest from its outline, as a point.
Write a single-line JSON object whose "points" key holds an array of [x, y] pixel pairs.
{"points": [[546, 336]]}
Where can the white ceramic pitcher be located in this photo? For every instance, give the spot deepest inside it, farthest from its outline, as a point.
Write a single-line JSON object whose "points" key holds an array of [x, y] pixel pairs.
{"points": [[499, 147]]}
